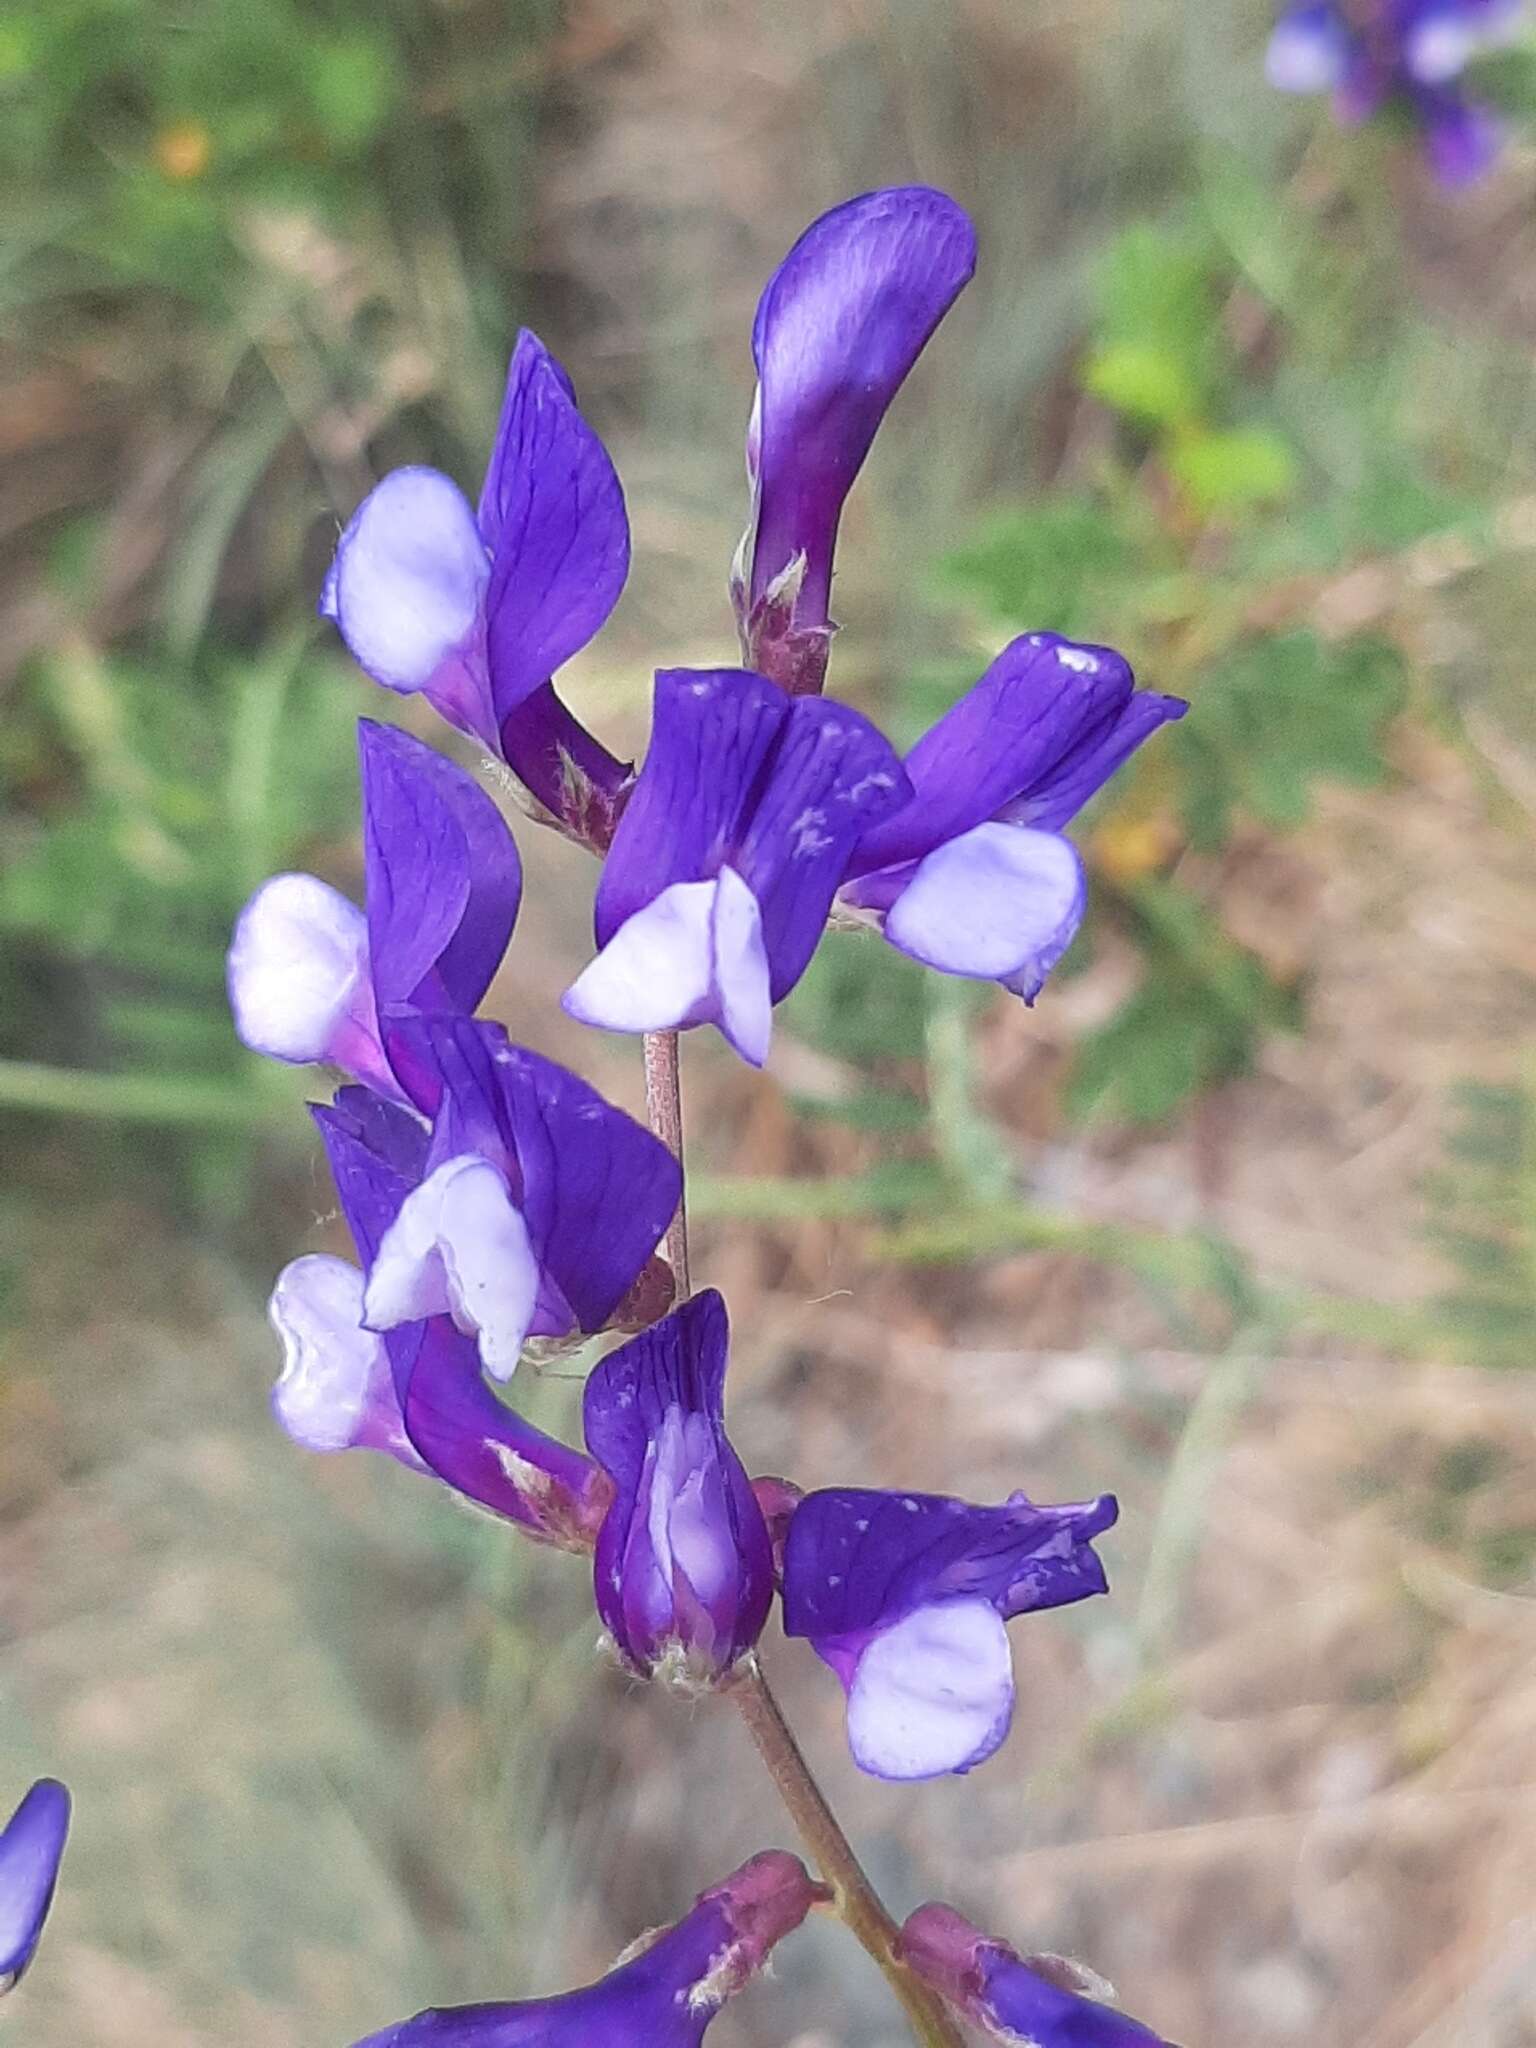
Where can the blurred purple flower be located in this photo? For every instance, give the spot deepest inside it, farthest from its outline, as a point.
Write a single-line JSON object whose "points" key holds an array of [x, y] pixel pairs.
{"points": [[1411, 51], [841, 322], [663, 1997], [31, 1849], [906, 1597], [477, 609], [973, 877], [684, 1566], [1041, 2000], [312, 978], [723, 869]]}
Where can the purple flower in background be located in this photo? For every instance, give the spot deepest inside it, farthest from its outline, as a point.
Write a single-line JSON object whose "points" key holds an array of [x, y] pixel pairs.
{"points": [[722, 871], [842, 321], [1046, 2000], [684, 1566], [31, 1849], [477, 608], [906, 1597], [663, 1997], [529, 1208], [1410, 51], [313, 978], [973, 877]]}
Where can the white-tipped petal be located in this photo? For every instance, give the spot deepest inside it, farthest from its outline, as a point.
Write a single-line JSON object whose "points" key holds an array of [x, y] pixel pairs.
{"points": [[297, 966], [693, 955], [932, 1694], [409, 578], [459, 1247], [1001, 902], [335, 1391]]}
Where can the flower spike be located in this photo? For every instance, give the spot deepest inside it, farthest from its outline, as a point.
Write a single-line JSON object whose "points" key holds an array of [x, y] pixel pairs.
{"points": [[718, 883], [476, 610], [841, 322], [973, 877], [1044, 2000], [31, 1849], [906, 1597], [684, 1565], [665, 1996]]}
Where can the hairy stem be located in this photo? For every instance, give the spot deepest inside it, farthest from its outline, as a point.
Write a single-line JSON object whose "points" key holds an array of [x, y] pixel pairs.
{"points": [[664, 1113], [854, 1898]]}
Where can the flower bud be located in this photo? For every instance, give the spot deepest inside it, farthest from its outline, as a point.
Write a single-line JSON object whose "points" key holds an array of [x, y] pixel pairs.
{"points": [[683, 1565]]}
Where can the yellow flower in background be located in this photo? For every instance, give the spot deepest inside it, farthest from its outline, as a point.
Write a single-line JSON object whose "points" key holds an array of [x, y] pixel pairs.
{"points": [[1125, 849], [184, 150]]}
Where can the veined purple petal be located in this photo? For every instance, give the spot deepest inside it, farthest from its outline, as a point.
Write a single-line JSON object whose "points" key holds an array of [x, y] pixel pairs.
{"points": [[694, 955], [739, 782], [1045, 707], [933, 1693], [336, 1391], [377, 1153], [832, 779], [552, 515], [713, 735], [443, 876], [990, 1984], [595, 1189], [407, 591], [1084, 769], [857, 1559], [999, 903], [683, 1568], [459, 1246], [31, 1849], [1309, 49], [841, 322], [664, 1997], [1461, 138]]}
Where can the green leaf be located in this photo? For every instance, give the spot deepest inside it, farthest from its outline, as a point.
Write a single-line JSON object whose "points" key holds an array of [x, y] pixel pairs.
{"points": [[1142, 382], [1229, 472]]}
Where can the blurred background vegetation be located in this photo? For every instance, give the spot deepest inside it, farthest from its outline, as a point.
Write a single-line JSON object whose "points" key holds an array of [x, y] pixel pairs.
{"points": [[1240, 1221]]}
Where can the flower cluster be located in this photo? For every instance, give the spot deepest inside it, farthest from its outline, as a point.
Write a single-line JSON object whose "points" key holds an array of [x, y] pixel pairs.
{"points": [[496, 1201], [1411, 52]]}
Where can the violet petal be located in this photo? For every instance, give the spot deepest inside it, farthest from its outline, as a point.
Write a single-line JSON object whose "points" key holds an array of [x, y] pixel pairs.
{"points": [[683, 1563], [443, 876], [407, 590], [998, 903], [31, 1849], [552, 514], [841, 322]]}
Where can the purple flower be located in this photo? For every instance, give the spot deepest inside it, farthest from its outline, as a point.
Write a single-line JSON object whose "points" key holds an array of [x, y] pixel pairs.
{"points": [[663, 1997], [684, 1566], [477, 609], [906, 1597], [1041, 2001], [415, 1392], [312, 978], [529, 1208], [842, 321], [973, 876], [1408, 50], [31, 1849], [722, 871]]}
